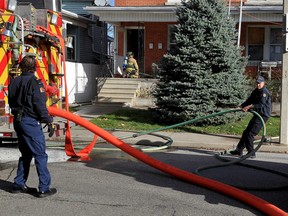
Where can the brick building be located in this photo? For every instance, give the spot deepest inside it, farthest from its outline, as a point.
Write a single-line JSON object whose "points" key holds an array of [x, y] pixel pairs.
{"points": [[144, 27]]}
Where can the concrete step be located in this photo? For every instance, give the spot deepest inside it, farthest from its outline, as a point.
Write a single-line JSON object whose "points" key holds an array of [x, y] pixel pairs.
{"points": [[117, 95], [118, 90], [121, 81], [113, 100], [120, 85]]}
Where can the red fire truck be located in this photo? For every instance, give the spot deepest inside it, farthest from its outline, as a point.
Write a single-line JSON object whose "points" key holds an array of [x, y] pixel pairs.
{"points": [[30, 27]]}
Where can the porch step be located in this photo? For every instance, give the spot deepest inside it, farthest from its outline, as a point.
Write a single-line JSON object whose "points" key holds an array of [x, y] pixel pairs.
{"points": [[118, 90], [114, 100]]}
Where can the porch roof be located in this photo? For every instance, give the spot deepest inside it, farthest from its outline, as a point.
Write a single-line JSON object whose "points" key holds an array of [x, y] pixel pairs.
{"points": [[115, 15], [75, 19]]}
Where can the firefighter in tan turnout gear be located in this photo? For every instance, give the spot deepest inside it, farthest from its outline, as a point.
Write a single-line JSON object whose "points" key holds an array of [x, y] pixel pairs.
{"points": [[132, 69]]}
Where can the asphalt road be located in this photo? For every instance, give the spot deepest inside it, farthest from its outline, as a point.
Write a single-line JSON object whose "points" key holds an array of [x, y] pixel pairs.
{"points": [[114, 183]]}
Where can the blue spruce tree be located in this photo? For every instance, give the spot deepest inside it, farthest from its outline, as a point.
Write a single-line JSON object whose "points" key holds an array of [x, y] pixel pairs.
{"points": [[204, 72]]}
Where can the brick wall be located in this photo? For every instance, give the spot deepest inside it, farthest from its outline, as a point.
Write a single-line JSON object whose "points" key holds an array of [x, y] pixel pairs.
{"points": [[235, 2], [121, 43], [155, 33]]}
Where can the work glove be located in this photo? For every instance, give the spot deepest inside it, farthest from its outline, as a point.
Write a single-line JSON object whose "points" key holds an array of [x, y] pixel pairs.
{"points": [[51, 129]]}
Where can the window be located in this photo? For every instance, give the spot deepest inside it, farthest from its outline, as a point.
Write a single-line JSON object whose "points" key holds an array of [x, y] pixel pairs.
{"points": [[264, 43], [276, 44], [171, 36], [70, 45], [256, 43]]}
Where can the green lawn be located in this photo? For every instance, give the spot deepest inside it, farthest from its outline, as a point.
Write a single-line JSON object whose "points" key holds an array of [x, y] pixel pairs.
{"points": [[144, 120]]}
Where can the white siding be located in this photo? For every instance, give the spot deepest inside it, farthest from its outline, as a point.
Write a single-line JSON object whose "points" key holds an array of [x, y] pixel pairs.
{"points": [[173, 2], [264, 2], [138, 17], [251, 17], [81, 82]]}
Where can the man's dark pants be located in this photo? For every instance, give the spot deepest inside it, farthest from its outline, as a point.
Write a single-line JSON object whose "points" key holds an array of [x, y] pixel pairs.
{"points": [[31, 141], [252, 129]]}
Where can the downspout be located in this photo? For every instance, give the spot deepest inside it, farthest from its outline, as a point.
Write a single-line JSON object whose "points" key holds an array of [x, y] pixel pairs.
{"points": [[115, 48], [229, 8]]}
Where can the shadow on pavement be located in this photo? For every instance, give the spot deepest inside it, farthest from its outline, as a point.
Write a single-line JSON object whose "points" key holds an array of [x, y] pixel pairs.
{"points": [[5, 185], [234, 174]]}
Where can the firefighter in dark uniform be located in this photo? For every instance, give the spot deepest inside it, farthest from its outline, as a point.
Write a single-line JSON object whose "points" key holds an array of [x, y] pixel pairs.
{"points": [[27, 100], [259, 101]]}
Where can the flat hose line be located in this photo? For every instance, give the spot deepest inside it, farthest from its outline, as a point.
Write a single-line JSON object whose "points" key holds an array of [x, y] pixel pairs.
{"points": [[211, 184]]}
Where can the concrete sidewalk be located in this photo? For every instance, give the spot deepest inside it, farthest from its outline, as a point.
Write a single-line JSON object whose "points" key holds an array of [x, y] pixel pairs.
{"points": [[180, 139], [191, 140]]}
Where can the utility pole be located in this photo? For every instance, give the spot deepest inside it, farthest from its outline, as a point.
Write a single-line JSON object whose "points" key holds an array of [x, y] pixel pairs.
{"points": [[284, 83]]}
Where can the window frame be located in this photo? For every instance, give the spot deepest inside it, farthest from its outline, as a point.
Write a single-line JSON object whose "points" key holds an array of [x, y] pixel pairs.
{"points": [[266, 46], [169, 36], [278, 44], [73, 56]]}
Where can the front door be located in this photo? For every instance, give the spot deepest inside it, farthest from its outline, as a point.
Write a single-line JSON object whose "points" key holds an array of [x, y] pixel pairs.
{"points": [[135, 44]]}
